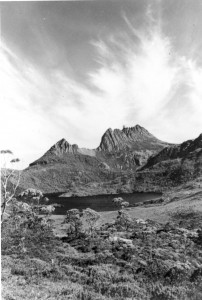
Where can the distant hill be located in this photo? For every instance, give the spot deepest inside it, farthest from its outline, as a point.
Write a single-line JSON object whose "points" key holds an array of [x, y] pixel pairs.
{"points": [[172, 166]]}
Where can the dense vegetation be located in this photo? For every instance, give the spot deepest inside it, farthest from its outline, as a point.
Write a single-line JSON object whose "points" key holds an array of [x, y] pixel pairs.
{"points": [[126, 259]]}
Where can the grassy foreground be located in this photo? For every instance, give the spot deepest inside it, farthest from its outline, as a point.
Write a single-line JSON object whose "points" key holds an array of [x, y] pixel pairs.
{"points": [[154, 253]]}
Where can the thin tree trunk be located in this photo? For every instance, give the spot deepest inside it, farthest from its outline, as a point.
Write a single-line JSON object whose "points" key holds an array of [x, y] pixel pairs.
{"points": [[3, 207]]}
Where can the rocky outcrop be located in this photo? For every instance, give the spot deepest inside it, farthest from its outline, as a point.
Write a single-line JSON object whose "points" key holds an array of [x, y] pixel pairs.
{"points": [[58, 150], [104, 166], [62, 147], [129, 148], [136, 138]]}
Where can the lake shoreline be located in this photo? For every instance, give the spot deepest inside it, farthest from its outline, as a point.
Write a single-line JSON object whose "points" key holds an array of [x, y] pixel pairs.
{"points": [[101, 203]]}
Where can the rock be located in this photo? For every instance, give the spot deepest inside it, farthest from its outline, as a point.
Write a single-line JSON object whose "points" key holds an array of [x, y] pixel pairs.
{"points": [[143, 263], [63, 147], [121, 240], [104, 166], [140, 221]]}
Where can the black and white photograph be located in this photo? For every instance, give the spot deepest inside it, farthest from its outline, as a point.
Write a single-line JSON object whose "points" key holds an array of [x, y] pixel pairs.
{"points": [[101, 150]]}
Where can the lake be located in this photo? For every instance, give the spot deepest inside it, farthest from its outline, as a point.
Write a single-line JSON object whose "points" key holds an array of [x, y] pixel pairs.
{"points": [[98, 202]]}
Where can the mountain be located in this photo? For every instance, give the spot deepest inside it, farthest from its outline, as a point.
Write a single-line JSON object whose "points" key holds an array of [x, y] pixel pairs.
{"points": [[129, 148], [122, 149], [65, 167], [136, 138], [61, 151], [172, 166]]}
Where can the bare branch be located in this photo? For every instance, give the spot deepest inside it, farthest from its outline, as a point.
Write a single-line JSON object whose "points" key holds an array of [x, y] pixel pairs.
{"points": [[6, 175], [16, 186]]}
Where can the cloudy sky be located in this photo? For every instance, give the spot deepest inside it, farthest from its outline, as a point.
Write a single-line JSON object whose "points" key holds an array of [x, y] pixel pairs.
{"points": [[73, 69]]}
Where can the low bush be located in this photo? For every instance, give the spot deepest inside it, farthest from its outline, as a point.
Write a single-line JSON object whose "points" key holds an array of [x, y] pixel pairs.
{"points": [[140, 259]]}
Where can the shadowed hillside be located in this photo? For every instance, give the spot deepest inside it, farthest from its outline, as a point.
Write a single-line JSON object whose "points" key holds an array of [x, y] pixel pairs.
{"points": [[172, 166]]}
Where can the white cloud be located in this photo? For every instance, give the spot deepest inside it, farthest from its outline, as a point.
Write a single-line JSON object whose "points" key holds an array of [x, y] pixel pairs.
{"points": [[38, 109], [143, 77], [151, 84], [32, 107]]}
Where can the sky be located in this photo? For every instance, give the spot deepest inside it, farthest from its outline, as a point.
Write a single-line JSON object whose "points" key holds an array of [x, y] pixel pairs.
{"points": [[74, 69]]}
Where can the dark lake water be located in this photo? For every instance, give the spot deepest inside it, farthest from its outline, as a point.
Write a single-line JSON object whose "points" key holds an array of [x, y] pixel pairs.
{"points": [[98, 202]]}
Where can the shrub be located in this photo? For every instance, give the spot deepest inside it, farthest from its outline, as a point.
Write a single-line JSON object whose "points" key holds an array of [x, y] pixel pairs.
{"points": [[120, 203], [73, 218], [91, 217], [123, 220], [26, 231]]}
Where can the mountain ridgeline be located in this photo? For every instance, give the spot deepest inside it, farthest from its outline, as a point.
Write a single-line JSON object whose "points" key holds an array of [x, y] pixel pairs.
{"points": [[136, 138], [127, 160], [121, 149]]}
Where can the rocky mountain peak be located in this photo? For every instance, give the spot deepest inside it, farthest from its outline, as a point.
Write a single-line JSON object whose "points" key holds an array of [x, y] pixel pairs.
{"points": [[128, 137], [136, 131], [63, 146], [56, 152]]}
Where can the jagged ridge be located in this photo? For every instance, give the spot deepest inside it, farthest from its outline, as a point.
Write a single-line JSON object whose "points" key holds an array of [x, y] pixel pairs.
{"points": [[131, 139], [137, 138], [63, 147]]}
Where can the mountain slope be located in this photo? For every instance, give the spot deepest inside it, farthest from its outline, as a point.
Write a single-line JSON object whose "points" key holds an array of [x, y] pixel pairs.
{"points": [[184, 150], [172, 166]]}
